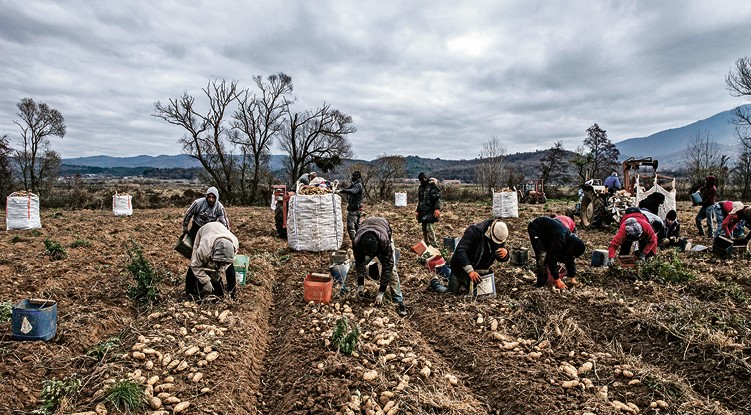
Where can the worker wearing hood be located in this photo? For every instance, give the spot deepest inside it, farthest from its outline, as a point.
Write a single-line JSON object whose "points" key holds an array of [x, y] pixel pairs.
{"points": [[204, 210]]}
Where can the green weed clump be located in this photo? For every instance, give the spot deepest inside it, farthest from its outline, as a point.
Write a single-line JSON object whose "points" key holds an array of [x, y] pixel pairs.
{"points": [[146, 290], [80, 243], [6, 311], [666, 269], [101, 349], [126, 396], [55, 250], [55, 392], [342, 340]]}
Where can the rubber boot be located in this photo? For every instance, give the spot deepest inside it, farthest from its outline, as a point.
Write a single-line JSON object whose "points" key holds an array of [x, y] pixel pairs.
{"points": [[542, 277]]}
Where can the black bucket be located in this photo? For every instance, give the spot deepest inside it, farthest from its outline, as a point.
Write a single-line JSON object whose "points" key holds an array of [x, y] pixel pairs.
{"points": [[519, 257], [722, 247]]}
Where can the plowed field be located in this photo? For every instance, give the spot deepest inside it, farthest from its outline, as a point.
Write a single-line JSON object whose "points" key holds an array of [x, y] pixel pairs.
{"points": [[616, 343]]}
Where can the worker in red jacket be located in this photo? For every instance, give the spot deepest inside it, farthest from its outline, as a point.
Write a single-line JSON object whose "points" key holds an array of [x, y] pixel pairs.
{"points": [[567, 222], [734, 218], [634, 227]]}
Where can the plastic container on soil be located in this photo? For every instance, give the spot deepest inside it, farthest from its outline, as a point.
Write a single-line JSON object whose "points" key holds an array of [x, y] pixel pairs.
{"points": [[519, 257], [419, 248], [34, 319], [450, 243], [317, 288], [185, 246], [485, 288], [627, 261], [241, 268], [436, 261], [339, 256], [696, 198], [599, 257]]}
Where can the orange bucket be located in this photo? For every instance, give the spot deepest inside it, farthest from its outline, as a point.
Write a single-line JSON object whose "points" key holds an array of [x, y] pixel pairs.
{"points": [[317, 288], [419, 248]]}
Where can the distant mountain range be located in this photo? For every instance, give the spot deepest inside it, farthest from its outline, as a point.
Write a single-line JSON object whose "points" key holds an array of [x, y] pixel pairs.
{"points": [[667, 146]]}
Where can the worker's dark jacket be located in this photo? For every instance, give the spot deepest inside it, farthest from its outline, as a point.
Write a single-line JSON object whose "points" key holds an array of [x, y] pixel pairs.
{"points": [[475, 250], [709, 192], [354, 195], [552, 237], [428, 200], [385, 254]]}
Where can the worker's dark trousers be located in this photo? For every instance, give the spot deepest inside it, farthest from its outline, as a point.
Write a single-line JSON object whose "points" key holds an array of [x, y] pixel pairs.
{"points": [[705, 213], [535, 238], [353, 223], [193, 287]]}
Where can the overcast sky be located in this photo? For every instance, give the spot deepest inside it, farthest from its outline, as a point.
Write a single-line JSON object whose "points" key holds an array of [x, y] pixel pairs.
{"points": [[429, 78]]}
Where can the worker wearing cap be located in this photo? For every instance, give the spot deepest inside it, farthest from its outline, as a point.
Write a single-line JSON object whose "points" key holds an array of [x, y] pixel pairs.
{"points": [[355, 193], [211, 270], [737, 215], [634, 227], [373, 240], [481, 245], [553, 242]]}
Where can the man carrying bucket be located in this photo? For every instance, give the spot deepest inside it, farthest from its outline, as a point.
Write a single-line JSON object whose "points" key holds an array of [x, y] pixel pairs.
{"points": [[553, 242], [373, 240], [204, 210], [211, 268], [481, 245]]}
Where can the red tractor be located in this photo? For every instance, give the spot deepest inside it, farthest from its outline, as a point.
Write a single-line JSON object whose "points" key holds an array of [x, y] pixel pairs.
{"points": [[532, 192]]}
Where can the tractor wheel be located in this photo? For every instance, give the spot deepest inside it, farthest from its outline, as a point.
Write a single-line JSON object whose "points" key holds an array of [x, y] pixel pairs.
{"points": [[586, 210], [543, 199], [599, 212]]}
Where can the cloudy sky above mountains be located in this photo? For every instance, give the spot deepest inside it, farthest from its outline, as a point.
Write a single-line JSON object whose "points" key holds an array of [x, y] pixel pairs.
{"points": [[430, 78]]}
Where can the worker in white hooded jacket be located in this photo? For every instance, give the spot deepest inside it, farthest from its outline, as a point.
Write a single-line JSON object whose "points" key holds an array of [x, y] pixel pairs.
{"points": [[211, 270], [204, 210]]}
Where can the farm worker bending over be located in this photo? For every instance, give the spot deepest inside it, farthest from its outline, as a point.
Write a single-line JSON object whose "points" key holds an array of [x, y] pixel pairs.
{"points": [[211, 270], [373, 240], [204, 210], [734, 218], [354, 193], [553, 242], [481, 245], [566, 221], [306, 178], [721, 211], [428, 207], [612, 183], [708, 199], [634, 227]]}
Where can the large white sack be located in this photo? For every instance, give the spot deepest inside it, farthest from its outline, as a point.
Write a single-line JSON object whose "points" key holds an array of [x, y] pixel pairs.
{"points": [[505, 205], [400, 199], [22, 211], [121, 205], [314, 222], [669, 203]]}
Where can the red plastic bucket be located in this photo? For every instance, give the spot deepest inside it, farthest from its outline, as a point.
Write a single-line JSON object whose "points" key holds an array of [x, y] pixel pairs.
{"points": [[317, 288]]}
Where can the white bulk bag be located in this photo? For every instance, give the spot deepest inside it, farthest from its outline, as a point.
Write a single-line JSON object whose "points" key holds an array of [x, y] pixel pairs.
{"points": [[314, 222], [121, 205], [22, 211], [400, 199], [505, 205], [666, 206]]}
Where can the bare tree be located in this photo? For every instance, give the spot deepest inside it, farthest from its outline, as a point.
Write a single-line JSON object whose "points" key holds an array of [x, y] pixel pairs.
{"points": [[489, 173], [383, 173], [739, 82], [316, 137], [741, 174], [6, 171], [582, 161], [702, 158], [552, 166], [36, 159], [207, 137], [258, 119], [603, 153]]}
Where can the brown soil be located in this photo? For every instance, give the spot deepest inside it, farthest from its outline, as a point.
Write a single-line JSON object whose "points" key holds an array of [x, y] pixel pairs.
{"points": [[685, 345]]}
